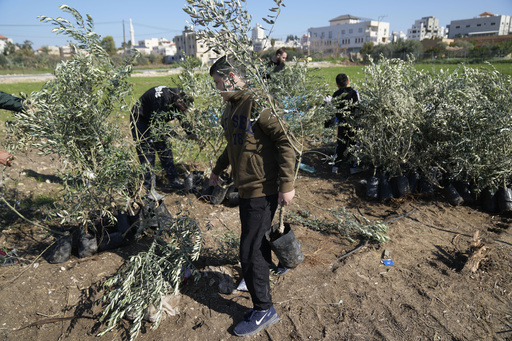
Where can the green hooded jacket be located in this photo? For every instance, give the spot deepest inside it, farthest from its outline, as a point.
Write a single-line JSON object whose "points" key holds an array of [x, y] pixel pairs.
{"points": [[261, 157]]}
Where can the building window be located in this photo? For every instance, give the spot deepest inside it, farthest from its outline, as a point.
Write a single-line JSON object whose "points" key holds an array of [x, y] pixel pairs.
{"points": [[330, 34], [350, 31], [493, 23], [342, 31], [478, 25], [360, 30], [457, 26], [468, 25]]}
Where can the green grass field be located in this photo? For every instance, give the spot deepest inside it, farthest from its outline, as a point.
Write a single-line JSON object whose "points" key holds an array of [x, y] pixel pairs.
{"points": [[141, 84], [356, 73]]}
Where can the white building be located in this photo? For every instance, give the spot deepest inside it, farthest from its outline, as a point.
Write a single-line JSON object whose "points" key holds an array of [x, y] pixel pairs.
{"points": [[426, 28], [259, 39], [305, 42], [347, 34], [398, 36], [258, 33], [157, 47], [187, 44], [161, 50], [51, 50], [486, 24], [149, 43], [3, 42]]}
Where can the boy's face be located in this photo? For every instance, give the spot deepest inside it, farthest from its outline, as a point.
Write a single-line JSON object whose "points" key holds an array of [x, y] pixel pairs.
{"points": [[282, 57], [224, 85]]}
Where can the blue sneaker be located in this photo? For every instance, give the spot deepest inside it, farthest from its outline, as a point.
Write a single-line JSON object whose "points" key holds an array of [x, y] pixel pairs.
{"points": [[256, 320], [281, 269]]}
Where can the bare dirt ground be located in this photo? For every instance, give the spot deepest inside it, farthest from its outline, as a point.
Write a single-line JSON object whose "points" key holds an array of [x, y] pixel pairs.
{"points": [[425, 295]]}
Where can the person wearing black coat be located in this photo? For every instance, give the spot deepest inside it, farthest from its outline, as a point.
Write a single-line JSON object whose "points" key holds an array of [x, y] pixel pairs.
{"points": [[12, 103], [277, 62], [157, 105], [348, 98]]}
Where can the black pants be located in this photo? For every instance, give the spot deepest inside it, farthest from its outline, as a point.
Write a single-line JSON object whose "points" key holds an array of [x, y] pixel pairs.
{"points": [[344, 139], [147, 145], [256, 215]]}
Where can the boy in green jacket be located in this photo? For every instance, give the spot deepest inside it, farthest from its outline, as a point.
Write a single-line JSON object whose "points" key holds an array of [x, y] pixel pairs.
{"points": [[262, 162]]}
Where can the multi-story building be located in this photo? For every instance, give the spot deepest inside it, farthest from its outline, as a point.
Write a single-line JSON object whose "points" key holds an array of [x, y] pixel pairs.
{"points": [[347, 34], [258, 33], [425, 28], [259, 39], [187, 44], [486, 24]]}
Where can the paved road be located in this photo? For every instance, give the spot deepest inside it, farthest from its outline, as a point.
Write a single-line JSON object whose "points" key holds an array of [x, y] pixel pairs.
{"points": [[43, 77], [28, 78]]}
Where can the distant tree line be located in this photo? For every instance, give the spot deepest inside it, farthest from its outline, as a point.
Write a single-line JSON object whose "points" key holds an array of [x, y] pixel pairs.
{"points": [[23, 56], [16, 56], [441, 51]]}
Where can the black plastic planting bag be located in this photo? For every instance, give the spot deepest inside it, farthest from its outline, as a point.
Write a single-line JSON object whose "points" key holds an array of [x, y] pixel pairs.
{"points": [[284, 244]]}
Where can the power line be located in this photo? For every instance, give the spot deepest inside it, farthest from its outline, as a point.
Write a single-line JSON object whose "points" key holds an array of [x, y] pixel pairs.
{"points": [[20, 25], [37, 25], [157, 28]]}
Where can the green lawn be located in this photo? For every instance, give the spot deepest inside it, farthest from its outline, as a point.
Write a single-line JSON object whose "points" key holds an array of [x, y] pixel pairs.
{"points": [[355, 73], [141, 84]]}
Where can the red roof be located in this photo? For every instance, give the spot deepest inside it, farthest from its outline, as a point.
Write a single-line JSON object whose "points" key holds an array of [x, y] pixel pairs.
{"points": [[485, 14], [2, 37]]}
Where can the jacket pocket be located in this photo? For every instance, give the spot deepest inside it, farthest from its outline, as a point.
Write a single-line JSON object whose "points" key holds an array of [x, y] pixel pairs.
{"points": [[256, 163]]}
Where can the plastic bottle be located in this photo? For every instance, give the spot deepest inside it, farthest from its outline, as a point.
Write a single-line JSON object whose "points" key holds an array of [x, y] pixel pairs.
{"points": [[307, 168]]}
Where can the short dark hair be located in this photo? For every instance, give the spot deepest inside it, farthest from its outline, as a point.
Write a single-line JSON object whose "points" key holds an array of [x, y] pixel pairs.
{"points": [[222, 66], [280, 51], [342, 80]]}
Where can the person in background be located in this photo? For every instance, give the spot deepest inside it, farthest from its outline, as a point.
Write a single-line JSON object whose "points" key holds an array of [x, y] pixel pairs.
{"points": [[347, 97], [278, 60], [262, 162], [158, 105], [12, 103]]}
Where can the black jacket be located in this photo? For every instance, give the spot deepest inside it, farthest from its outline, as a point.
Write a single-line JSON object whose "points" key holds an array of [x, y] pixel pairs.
{"points": [[276, 67], [347, 94], [10, 102], [157, 100], [159, 103]]}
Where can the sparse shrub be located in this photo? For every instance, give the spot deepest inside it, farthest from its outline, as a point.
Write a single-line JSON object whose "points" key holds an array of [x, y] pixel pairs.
{"points": [[69, 117]]}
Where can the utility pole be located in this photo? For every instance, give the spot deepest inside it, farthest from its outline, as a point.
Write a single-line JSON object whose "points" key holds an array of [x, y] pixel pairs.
{"points": [[124, 40]]}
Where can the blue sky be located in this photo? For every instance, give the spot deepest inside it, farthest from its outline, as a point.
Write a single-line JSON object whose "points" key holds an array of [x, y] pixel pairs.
{"points": [[165, 18]]}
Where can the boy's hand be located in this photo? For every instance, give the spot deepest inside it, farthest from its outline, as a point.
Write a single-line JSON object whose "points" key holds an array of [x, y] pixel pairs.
{"points": [[285, 198], [214, 179], [5, 158]]}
